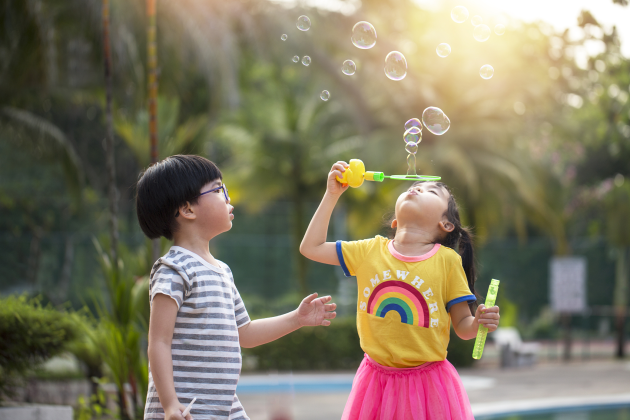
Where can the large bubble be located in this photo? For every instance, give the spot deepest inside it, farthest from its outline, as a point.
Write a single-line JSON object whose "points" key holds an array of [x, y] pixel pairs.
{"points": [[459, 14], [325, 95], [413, 135], [435, 120], [348, 67], [412, 148], [482, 33], [303, 23], [413, 122], [443, 50], [486, 71], [395, 66], [363, 35]]}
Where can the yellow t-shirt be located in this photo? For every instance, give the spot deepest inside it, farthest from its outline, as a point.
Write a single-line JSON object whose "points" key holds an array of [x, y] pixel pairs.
{"points": [[403, 307]]}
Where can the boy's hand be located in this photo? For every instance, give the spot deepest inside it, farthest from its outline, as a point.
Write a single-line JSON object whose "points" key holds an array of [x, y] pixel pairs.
{"points": [[313, 312], [333, 186], [488, 317], [175, 413]]}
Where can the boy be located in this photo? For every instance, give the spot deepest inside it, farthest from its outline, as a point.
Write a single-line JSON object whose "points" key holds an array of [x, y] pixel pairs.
{"points": [[198, 319]]}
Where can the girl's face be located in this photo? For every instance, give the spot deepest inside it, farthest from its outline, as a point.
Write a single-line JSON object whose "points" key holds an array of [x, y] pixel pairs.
{"points": [[423, 205]]}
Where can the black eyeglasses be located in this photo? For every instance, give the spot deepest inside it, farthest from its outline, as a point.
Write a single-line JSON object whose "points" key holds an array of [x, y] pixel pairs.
{"points": [[222, 187]]}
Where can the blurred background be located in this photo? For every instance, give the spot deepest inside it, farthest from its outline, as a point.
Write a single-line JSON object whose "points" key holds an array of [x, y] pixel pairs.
{"points": [[93, 91]]}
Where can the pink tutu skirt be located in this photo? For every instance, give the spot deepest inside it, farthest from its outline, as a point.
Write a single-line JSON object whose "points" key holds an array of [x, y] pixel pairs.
{"points": [[432, 391]]}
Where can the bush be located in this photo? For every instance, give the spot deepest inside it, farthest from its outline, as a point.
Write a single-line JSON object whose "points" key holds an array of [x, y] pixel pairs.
{"points": [[29, 334], [330, 348]]}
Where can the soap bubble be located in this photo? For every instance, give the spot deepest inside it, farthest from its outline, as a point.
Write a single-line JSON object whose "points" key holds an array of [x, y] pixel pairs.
{"points": [[413, 135], [482, 33], [443, 50], [411, 164], [363, 35], [486, 71], [284, 37], [412, 148], [395, 66], [499, 29], [295, 59], [325, 95], [435, 120], [303, 23], [306, 60], [348, 67], [476, 20], [413, 122], [459, 14]]}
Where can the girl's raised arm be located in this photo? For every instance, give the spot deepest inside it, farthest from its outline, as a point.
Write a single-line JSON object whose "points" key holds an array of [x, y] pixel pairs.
{"points": [[314, 245]]}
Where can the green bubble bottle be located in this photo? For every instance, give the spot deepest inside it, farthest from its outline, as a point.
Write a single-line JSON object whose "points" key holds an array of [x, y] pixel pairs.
{"points": [[482, 333]]}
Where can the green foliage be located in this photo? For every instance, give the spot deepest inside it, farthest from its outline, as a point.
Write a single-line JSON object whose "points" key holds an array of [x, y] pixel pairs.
{"points": [[29, 334], [92, 408]]}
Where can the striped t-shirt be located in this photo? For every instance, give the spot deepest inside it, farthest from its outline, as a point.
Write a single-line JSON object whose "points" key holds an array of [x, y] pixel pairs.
{"points": [[205, 347]]}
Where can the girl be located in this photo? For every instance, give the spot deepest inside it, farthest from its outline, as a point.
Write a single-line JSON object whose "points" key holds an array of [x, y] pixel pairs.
{"points": [[410, 289]]}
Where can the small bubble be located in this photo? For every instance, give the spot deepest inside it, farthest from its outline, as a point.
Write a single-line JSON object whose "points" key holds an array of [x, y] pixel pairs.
{"points": [[284, 37], [363, 35], [443, 50], [435, 120], [413, 122], [325, 95], [395, 66], [482, 33], [295, 59], [486, 71], [459, 14], [348, 67], [476, 20], [306, 60], [303, 23], [413, 135], [499, 29], [412, 148]]}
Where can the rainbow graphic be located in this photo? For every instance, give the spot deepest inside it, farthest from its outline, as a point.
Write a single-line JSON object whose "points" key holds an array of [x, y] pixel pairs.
{"points": [[400, 297]]}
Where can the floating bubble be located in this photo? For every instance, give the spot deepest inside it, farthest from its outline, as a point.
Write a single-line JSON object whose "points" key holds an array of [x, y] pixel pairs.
{"points": [[482, 33], [303, 23], [284, 37], [348, 67], [295, 59], [411, 164], [413, 122], [459, 14], [411, 148], [476, 20], [325, 95], [435, 120], [443, 50], [486, 71], [306, 60], [363, 35], [395, 66], [499, 29], [413, 135]]}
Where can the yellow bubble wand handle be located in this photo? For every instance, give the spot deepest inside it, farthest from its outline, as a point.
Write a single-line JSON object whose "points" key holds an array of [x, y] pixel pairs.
{"points": [[355, 174], [482, 333]]}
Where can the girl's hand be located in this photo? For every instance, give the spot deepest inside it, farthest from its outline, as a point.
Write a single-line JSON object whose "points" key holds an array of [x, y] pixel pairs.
{"points": [[313, 312], [175, 413], [488, 317], [333, 186]]}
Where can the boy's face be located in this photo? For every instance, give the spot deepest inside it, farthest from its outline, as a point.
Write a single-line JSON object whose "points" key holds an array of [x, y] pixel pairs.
{"points": [[213, 211]]}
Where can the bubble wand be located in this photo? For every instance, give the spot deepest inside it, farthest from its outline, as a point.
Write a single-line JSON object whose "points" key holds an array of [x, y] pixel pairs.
{"points": [[482, 333], [355, 174]]}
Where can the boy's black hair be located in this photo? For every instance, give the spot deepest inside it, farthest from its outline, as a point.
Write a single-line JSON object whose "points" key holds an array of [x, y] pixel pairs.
{"points": [[165, 186], [459, 239]]}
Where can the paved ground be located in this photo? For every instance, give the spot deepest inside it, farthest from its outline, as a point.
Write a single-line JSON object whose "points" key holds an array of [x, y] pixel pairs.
{"points": [[487, 388]]}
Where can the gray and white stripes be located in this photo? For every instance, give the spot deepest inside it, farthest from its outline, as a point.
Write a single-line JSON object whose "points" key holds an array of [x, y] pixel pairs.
{"points": [[205, 348]]}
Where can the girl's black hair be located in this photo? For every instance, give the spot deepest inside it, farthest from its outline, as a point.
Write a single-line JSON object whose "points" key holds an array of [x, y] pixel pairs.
{"points": [[165, 186], [459, 239]]}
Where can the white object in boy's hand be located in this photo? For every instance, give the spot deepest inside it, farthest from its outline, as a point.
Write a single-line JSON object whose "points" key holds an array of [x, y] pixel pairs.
{"points": [[187, 410]]}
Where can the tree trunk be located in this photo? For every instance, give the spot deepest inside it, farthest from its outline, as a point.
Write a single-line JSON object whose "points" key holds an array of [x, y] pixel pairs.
{"points": [[153, 88], [109, 141], [621, 299]]}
